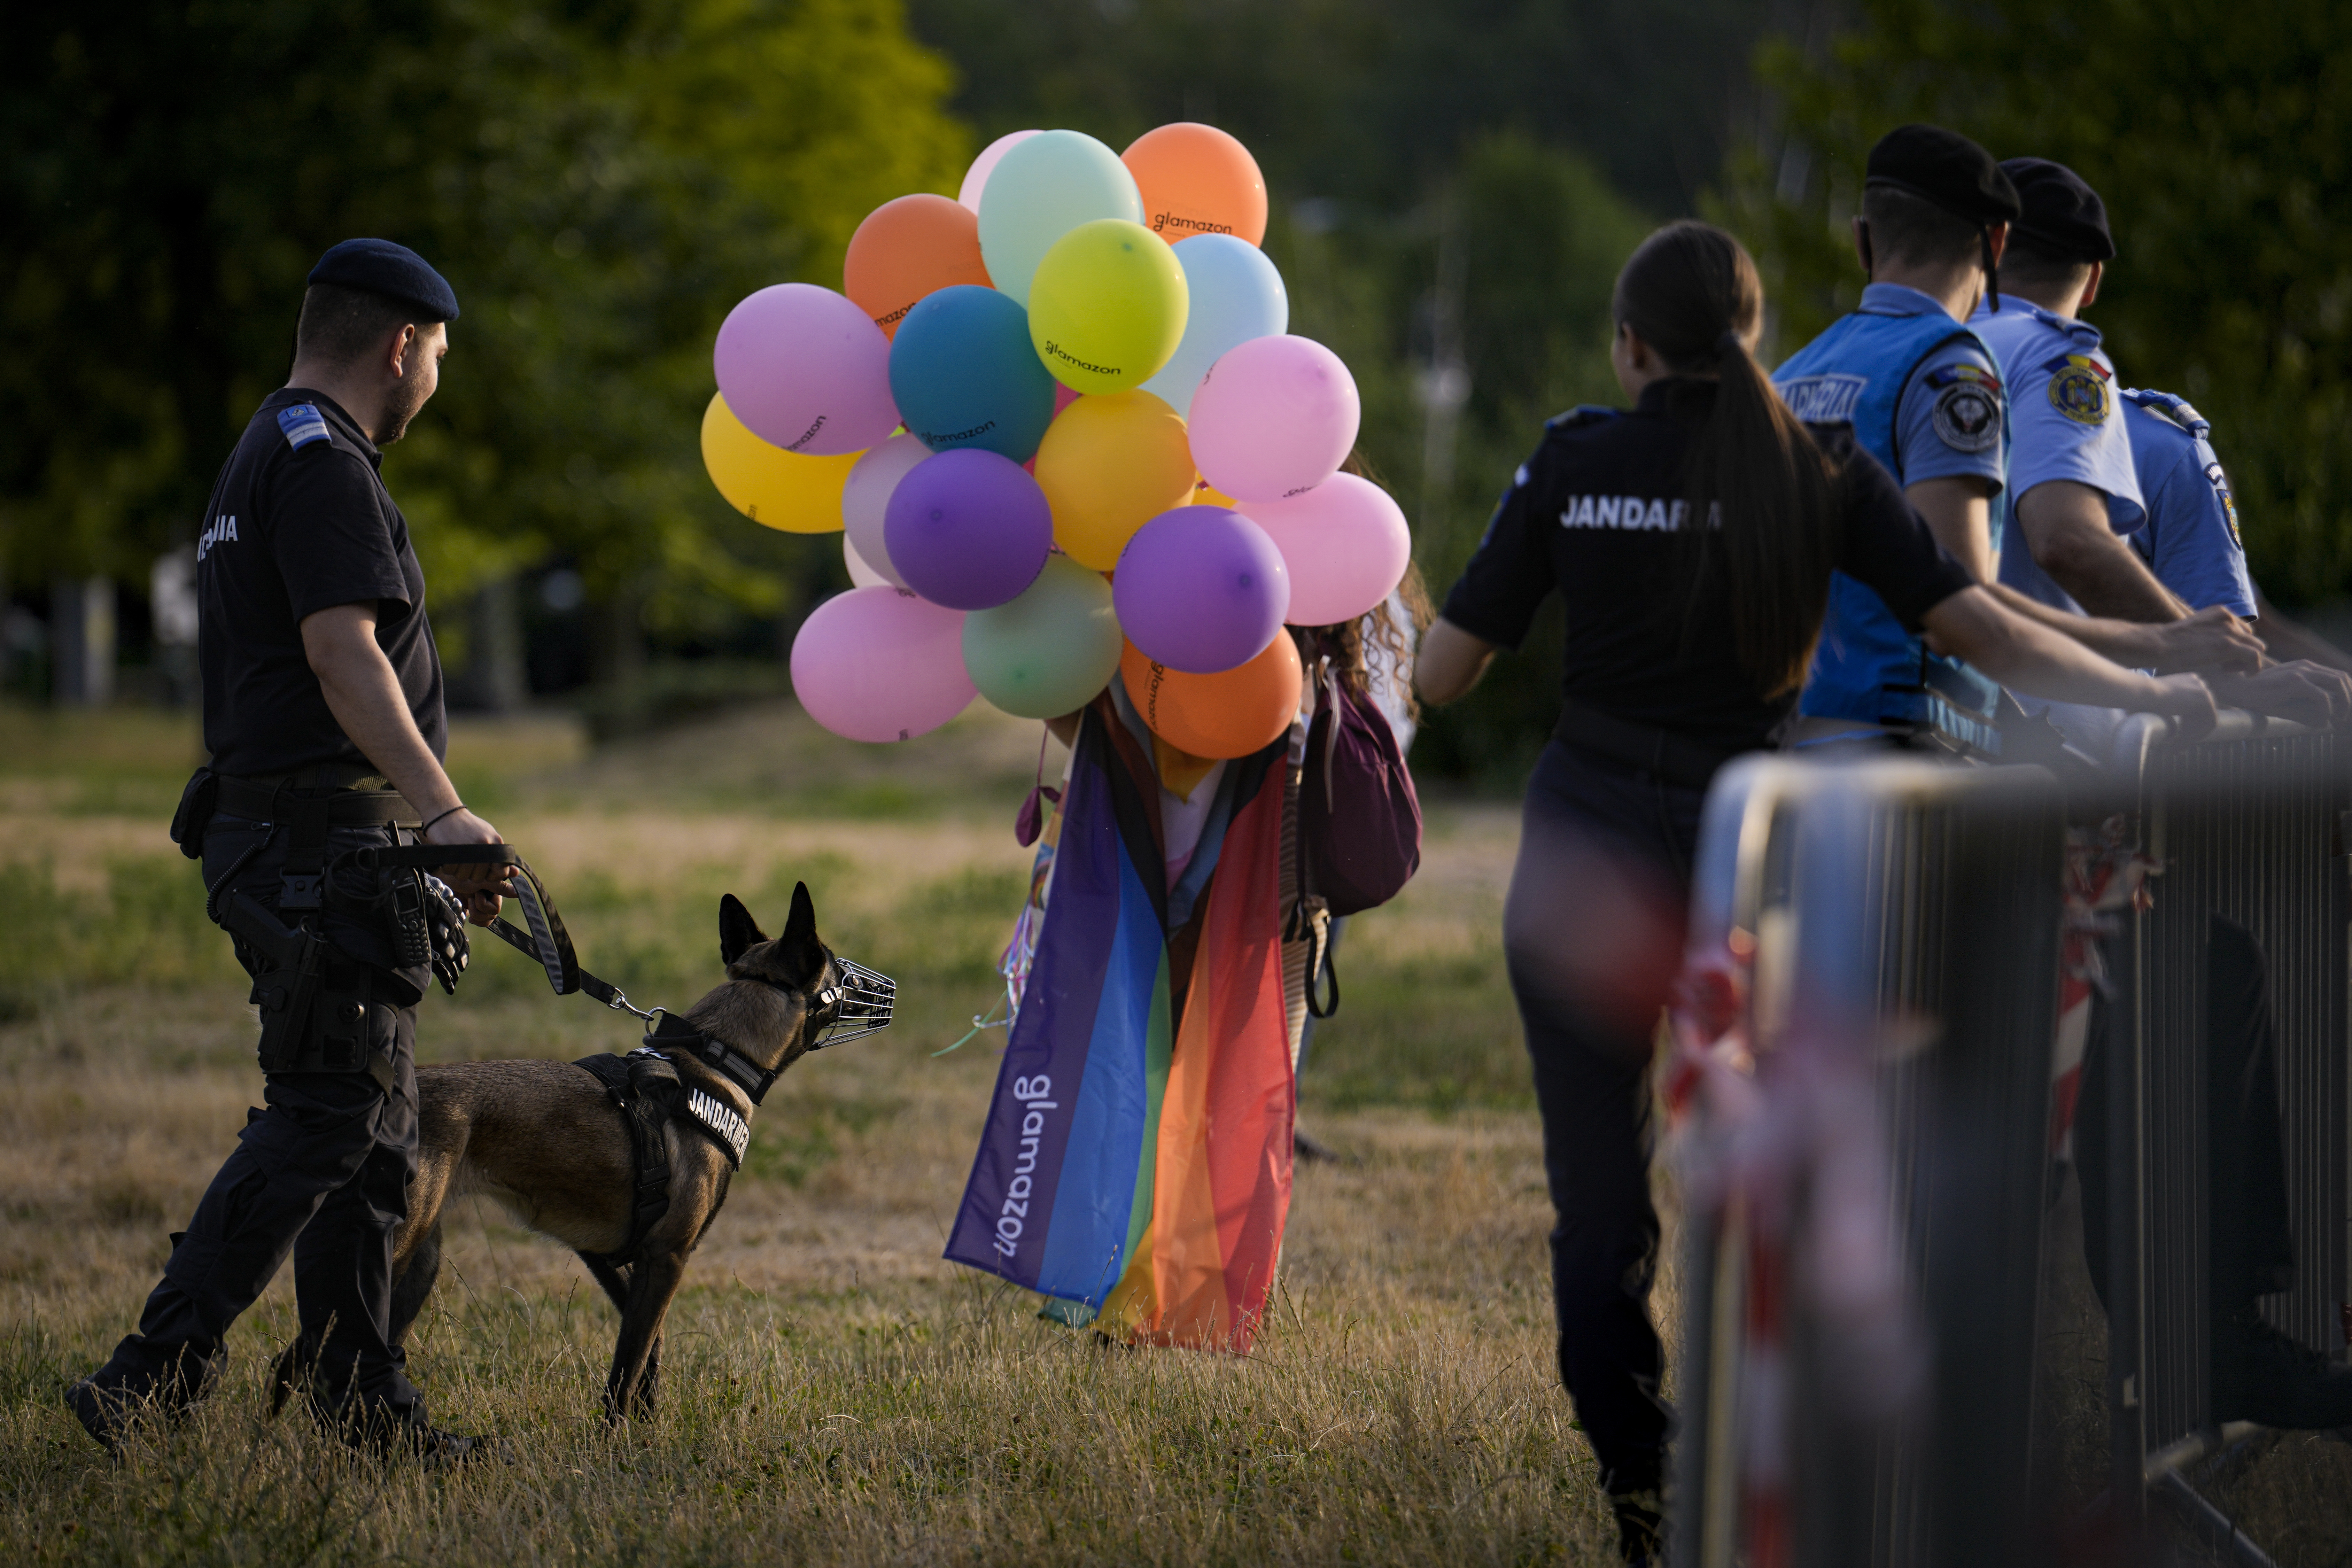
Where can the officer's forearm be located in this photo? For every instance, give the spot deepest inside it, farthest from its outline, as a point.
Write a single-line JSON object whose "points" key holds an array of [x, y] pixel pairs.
{"points": [[2065, 526], [364, 696], [1450, 663], [2030, 657]]}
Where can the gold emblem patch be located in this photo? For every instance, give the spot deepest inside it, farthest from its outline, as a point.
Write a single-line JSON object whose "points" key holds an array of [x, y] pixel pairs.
{"points": [[2078, 388]]}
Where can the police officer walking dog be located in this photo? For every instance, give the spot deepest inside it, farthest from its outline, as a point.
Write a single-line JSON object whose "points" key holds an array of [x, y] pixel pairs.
{"points": [[323, 701]]}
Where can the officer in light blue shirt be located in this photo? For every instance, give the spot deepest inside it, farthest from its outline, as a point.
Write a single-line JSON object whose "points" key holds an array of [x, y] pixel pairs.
{"points": [[2191, 540], [2068, 429], [1923, 398]]}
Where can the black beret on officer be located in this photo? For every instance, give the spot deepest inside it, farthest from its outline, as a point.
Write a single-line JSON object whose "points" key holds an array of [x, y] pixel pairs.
{"points": [[1944, 169], [395, 271], [2062, 212]]}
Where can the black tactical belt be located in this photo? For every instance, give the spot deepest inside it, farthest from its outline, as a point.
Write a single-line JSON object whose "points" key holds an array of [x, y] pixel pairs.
{"points": [[347, 806], [1674, 759]]}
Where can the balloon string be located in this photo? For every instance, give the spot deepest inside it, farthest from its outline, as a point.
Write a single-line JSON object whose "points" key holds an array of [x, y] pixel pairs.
{"points": [[980, 1021]]}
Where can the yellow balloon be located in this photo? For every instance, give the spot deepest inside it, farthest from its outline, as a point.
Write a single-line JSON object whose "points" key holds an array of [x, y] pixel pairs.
{"points": [[1108, 465], [1106, 307], [1206, 494], [784, 491]]}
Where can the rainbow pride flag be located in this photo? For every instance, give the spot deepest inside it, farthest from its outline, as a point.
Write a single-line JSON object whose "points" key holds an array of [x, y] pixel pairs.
{"points": [[1136, 1163]]}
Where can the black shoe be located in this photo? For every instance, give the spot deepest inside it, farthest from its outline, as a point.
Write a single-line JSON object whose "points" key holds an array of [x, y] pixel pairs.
{"points": [[2262, 1375], [104, 1416], [1303, 1147], [108, 1411], [1641, 1529], [451, 1449]]}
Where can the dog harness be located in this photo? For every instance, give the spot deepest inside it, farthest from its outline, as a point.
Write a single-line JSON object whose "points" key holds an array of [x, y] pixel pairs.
{"points": [[643, 1086]]}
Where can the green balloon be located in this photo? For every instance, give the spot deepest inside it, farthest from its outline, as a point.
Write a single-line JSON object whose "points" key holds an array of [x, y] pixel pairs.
{"points": [[1049, 651]]}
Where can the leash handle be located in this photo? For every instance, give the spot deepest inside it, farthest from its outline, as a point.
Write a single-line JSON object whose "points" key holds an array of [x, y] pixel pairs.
{"points": [[548, 941]]}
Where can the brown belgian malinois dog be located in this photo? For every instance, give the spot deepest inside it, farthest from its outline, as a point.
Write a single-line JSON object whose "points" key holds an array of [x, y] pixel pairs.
{"points": [[543, 1139]]}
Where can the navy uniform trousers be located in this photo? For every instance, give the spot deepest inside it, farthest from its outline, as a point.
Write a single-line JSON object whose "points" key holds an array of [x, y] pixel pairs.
{"points": [[322, 1172], [1592, 1058]]}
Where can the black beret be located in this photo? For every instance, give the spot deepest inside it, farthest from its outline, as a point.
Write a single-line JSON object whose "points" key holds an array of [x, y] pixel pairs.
{"points": [[1945, 168], [2062, 212], [395, 271]]}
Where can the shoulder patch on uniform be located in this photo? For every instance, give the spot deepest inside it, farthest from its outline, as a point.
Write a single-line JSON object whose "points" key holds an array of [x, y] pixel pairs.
{"points": [[1946, 375], [2078, 388], [1966, 415], [1823, 399], [303, 424], [2221, 483]]}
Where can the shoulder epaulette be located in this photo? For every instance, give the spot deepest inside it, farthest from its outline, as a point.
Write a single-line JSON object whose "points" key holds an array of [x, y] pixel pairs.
{"points": [[303, 425], [1581, 415], [2173, 409]]}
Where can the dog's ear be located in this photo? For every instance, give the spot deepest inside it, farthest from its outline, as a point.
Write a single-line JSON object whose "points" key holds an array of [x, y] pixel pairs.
{"points": [[799, 954], [738, 932]]}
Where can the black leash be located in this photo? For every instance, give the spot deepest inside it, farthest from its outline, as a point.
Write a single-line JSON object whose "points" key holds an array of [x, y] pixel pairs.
{"points": [[547, 943]]}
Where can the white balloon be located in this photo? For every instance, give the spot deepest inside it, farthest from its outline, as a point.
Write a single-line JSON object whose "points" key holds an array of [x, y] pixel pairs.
{"points": [[866, 497], [861, 575]]}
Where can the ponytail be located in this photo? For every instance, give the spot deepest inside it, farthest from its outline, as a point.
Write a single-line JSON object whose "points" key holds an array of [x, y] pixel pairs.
{"points": [[1761, 510]]}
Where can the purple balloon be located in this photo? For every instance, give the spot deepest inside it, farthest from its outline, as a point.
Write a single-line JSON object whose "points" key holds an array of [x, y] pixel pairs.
{"points": [[1200, 589], [968, 529]]}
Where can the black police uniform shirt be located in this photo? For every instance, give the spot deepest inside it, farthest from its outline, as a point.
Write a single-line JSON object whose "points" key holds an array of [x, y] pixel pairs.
{"points": [[300, 521], [1593, 515]]}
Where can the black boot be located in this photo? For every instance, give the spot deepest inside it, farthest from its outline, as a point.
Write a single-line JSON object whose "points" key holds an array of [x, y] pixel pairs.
{"points": [[1641, 1529], [108, 1403], [2262, 1375]]}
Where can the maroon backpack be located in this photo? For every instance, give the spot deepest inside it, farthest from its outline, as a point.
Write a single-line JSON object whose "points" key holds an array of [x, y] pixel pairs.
{"points": [[1359, 818]]}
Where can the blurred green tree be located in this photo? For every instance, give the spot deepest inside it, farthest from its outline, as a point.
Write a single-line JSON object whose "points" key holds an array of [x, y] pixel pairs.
{"points": [[2219, 137], [600, 180]]}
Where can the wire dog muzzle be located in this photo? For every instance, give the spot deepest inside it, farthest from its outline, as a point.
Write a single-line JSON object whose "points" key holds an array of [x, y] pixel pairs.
{"points": [[859, 1001]]}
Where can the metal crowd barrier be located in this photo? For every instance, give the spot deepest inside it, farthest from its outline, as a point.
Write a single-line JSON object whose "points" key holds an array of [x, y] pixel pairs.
{"points": [[1925, 900], [2249, 824], [1916, 908]]}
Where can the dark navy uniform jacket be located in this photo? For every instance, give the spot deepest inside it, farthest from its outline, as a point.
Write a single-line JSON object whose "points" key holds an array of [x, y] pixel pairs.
{"points": [[1593, 516], [300, 521]]}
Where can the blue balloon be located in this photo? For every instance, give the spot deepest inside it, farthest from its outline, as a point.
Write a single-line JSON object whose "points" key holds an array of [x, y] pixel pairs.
{"points": [[964, 374], [1236, 295]]}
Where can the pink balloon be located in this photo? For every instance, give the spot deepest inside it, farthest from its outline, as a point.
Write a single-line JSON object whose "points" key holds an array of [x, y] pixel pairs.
{"points": [[879, 664], [1345, 542], [1275, 417], [806, 370], [976, 179], [866, 497]]}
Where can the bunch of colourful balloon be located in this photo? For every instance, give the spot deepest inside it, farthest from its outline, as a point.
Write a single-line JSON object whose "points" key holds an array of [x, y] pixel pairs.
{"points": [[1066, 434]]}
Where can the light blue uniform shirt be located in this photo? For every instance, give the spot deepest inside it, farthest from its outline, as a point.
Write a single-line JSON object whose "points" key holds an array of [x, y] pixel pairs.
{"points": [[2066, 421], [1948, 418], [2191, 540]]}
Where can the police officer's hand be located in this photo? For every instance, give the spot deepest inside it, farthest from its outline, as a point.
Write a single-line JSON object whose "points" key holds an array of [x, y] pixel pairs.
{"points": [[2301, 692], [2189, 702], [2210, 639], [482, 887]]}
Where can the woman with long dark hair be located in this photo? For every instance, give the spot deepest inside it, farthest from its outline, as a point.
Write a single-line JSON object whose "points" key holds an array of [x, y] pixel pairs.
{"points": [[1692, 540]]}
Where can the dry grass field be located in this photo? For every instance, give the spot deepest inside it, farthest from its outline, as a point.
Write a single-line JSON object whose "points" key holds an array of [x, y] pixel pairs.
{"points": [[832, 1391]]}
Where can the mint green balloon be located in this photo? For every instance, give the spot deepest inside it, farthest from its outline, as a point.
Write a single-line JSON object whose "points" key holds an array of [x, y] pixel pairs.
{"points": [[1041, 189], [1050, 650]]}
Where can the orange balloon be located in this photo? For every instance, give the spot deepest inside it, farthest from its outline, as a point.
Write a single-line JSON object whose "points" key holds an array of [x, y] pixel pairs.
{"points": [[1195, 179], [1229, 714], [908, 248]]}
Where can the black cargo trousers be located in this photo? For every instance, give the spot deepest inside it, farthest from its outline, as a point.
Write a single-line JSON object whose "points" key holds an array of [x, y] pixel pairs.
{"points": [[1604, 850], [322, 1171]]}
